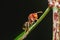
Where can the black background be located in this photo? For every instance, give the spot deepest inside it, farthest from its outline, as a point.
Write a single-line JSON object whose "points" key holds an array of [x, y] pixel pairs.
{"points": [[16, 19]]}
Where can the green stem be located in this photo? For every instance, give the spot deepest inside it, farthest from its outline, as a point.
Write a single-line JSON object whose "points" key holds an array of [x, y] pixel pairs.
{"points": [[21, 36]]}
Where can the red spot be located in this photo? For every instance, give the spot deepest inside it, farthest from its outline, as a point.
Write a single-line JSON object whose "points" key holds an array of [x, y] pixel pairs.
{"points": [[54, 29], [55, 16], [55, 37]]}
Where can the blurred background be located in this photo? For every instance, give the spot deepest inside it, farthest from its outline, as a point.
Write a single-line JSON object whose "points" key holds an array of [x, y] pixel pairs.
{"points": [[23, 8], [44, 30]]}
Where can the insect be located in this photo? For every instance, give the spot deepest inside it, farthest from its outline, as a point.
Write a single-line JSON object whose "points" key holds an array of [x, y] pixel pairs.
{"points": [[31, 19]]}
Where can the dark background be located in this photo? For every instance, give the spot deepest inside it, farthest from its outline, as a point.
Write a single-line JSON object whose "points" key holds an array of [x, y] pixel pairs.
{"points": [[23, 8]]}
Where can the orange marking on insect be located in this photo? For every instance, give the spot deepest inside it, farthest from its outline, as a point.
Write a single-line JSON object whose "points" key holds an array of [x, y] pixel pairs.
{"points": [[32, 17]]}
